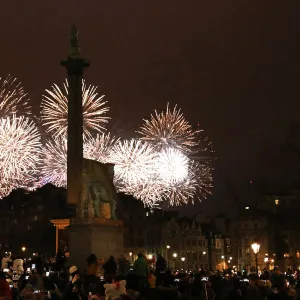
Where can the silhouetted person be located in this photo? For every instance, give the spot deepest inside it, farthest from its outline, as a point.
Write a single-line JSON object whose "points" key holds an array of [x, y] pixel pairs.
{"points": [[110, 270]]}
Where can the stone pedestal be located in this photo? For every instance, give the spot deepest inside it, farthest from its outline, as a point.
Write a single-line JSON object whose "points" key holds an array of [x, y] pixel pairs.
{"points": [[99, 236]]}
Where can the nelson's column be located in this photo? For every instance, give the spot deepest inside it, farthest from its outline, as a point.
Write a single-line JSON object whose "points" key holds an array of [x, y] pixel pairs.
{"points": [[75, 66], [89, 183]]}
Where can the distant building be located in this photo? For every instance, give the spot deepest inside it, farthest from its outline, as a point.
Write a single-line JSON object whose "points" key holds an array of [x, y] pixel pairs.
{"points": [[25, 218], [25, 221]]}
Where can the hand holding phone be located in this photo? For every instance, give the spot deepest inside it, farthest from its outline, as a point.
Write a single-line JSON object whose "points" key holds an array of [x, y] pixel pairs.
{"points": [[76, 278]]}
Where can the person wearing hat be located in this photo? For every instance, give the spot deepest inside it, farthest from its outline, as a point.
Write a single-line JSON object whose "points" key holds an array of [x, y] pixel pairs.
{"points": [[74, 288], [92, 283]]}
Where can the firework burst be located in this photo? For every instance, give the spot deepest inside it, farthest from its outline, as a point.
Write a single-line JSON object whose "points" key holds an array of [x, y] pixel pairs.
{"points": [[20, 150], [55, 110], [173, 176], [168, 129], [133, 161], [172, 166], [12, 97], [99, 148], [54, 168]]}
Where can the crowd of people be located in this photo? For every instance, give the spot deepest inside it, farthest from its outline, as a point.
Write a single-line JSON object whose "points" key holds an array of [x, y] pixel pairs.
{"points": [[122, 279]]}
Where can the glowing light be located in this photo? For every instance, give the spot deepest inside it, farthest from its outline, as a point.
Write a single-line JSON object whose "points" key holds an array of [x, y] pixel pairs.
{"points": [[172, 166], [13, 99], [55, 110], [20, 150], [255, 247]]}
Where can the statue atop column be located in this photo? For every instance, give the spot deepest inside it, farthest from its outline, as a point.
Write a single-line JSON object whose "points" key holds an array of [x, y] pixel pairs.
{"points": [[75, 49]]}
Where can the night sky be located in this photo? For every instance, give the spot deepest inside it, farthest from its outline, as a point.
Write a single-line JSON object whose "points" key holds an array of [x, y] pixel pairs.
{"points": [[232, 66]]}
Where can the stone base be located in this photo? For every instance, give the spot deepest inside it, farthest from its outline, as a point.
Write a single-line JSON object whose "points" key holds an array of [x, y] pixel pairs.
{"points": [[98, 236]]}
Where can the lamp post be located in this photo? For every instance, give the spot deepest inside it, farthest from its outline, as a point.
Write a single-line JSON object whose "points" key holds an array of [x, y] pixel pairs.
{"points": [[23, 249], [223, 259], [255, 247], [182, 259], [167, 248]]}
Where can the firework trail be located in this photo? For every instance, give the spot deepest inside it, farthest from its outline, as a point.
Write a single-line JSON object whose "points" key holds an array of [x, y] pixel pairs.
{"points": [[12, 97]]}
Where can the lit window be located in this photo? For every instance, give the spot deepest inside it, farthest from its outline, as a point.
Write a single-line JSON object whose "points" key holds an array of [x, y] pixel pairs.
{"points": [[276, 202]]}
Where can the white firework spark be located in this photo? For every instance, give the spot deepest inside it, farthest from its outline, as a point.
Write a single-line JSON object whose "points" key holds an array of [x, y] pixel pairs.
{"points": [[172, 166], [12, 97], [20, 150], [133, 161], [54, 111], [54, 168], [173, 170], [99, 148], [169, 129]]}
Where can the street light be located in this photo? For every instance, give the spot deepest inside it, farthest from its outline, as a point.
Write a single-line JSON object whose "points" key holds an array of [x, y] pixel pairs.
{"points": [[223, 259], [167, 248], [174, 255], [23, 249], [255, 247], [182, 262], [204, 252]]}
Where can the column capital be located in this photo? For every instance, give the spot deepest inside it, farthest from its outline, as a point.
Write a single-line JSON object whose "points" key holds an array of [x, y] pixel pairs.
{"points": [[75, 66]]}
